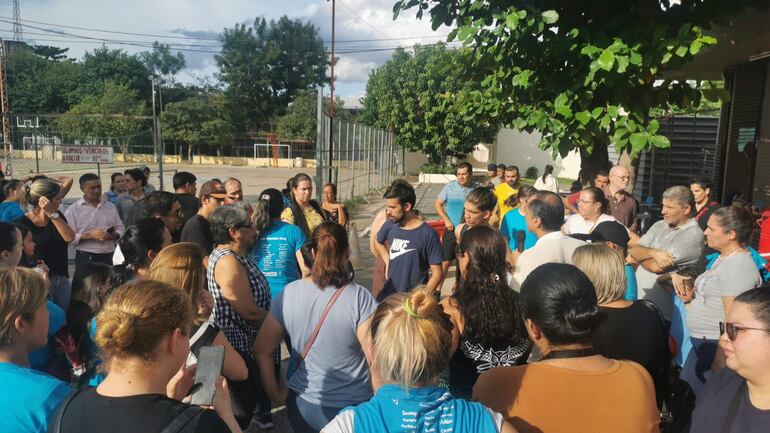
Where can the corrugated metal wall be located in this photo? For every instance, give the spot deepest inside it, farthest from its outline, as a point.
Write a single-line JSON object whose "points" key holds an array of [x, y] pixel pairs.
{"points": [[692, 153]]}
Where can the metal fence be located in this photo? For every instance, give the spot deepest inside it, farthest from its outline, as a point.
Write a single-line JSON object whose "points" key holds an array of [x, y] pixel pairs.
{"points": [[40, 144], [357, 158]]}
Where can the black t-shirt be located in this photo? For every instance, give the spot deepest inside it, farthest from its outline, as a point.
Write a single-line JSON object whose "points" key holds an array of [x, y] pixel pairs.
{"points": [[636, 333], [190, 205], [198, 230], [149, 413], [49, 245], [713, 406]]}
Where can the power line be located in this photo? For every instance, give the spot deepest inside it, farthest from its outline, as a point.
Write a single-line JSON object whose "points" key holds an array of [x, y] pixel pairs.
{"points": [[363, 20], [90, 29]]}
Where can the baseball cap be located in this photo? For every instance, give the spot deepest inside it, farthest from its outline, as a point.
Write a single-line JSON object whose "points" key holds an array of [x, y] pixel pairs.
{"points": [[491, 167], [212, 189], [608, 231], [143, 168]]}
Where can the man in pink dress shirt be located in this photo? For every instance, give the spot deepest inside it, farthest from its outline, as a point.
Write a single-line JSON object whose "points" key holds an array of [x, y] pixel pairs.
{"points": [[96, 224]]}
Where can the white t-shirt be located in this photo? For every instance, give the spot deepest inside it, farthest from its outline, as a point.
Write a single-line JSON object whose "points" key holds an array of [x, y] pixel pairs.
{"points": [[550, 184], [577, 225]]}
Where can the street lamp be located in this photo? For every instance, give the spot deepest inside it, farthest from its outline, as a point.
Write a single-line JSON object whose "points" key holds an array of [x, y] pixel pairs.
{"points": [[159, 151]]}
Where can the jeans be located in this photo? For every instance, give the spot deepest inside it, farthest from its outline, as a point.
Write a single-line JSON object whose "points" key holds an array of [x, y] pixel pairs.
{"points": [[60, 291], [307, 417], [698, 364]]}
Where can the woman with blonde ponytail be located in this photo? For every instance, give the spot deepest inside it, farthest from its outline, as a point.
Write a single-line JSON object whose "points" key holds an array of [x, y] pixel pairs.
{"points": [[412, 339], [327, 318], [50, 232], [142, 334]]}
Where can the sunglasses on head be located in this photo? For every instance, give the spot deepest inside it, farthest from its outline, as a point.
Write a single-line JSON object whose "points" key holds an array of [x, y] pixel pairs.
{"points": [[732, 329]]}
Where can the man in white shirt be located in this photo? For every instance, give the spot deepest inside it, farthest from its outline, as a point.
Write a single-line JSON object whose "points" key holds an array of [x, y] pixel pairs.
{"points": [[544, 217], [95, 222]]}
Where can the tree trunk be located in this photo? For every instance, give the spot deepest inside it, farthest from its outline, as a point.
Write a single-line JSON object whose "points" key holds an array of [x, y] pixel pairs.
{"points": [[591, 163]]}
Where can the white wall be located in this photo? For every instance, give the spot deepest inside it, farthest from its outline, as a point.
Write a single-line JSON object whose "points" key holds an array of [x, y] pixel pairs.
{"points": [[520, 148]]}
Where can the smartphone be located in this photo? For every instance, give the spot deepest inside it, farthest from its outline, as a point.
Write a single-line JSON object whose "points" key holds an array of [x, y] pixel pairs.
{"points": [[111, 230], [210, 361]]}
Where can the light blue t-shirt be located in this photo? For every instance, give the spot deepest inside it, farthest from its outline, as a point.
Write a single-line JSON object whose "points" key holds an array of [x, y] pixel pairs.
{"points": [[10, 211], [29, 399], [631, 288], [57, 318], [275, 254], [429, 409], [514, 222], [454, 195], [334, 373]]}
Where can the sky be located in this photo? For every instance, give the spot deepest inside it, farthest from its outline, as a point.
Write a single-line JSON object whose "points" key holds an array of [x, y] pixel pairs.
{"points": [[194, 26]]}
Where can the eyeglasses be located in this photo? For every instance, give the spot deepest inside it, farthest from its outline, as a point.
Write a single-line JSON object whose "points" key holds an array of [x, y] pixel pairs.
{"points": [[243, 225], [732, 329]]}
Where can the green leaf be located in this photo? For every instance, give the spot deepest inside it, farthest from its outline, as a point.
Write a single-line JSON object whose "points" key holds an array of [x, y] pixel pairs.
{"points": [[452, 35], [596, 112], [695, 47], [708, 40], [622, 63], [636, 59], [573, 33], [583, 117], [606, 60], [638, 141], [654, 126], [660, 141], [512, 21], [550, 17], [605, 122], [564, 110], [561, 100], [681, 51], [590, 50], [716, 95], [466, 32], [666, 58], [612, 110]]}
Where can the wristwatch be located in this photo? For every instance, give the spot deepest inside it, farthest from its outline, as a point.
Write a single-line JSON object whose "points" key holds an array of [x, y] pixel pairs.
{"points": [[55, 215]]}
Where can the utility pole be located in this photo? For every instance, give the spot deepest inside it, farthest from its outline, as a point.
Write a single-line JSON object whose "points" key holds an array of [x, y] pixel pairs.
{"points": [[17, 35], [158, 143], [4, 107], [331, 102]]}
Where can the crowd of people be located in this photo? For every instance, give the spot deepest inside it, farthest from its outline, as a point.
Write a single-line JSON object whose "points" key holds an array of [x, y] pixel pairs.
{"points": [[564, 315]]}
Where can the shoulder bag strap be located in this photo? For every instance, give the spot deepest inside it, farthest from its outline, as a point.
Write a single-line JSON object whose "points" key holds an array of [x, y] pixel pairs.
{"points": [[182, 419], [56, 428], [732, 412], [317, 329]]}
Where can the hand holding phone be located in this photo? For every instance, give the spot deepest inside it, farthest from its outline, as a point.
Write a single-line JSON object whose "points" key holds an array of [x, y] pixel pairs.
{"points": [[207, 374]]}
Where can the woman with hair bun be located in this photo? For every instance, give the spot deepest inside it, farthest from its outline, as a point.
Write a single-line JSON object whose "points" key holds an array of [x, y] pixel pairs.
{"points": [[50, 232], [143, 337], [572, 388], [412, 340], [332, 370], [593, 209]]}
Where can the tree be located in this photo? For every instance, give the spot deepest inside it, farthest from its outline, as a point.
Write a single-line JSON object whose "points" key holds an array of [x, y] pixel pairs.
{"points": [[198, 122], [161, 62], [265, 65], [50, 53], [300, 120], [37, 84], [117, 66], [415, 96], [116, 99], [584, 73]]}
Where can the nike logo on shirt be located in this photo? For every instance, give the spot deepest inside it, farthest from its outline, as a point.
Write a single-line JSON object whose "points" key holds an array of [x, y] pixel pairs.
{"points": [[399, 248]]}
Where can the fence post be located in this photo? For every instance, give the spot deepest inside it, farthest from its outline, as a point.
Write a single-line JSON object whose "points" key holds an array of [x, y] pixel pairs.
{"points": [[353, 159], [368, 159], [37, 156], [319, 140]]}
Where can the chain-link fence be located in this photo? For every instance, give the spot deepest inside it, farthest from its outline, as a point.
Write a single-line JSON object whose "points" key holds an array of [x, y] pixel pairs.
{"points": [[70, 145], [362, 158]]}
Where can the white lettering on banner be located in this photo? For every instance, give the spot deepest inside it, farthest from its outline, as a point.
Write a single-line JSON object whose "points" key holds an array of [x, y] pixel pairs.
{"points": [[87, 155]]}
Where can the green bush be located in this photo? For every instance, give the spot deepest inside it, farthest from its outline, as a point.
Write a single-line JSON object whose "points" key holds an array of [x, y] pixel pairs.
{"points": [[531, 173], [437, 169]]}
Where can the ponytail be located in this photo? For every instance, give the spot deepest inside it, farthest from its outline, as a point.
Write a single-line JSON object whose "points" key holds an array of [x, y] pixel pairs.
{"points": [[330, 266], [31, 193], [267, 209]]}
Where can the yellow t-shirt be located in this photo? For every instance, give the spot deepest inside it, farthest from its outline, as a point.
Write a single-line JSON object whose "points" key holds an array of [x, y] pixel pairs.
{"points": [[503, 191], [313, 218], [618, 399]]}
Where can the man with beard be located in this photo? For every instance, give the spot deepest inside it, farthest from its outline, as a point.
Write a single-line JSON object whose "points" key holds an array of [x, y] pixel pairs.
{"points": [[506, 190], [413, 248]]}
